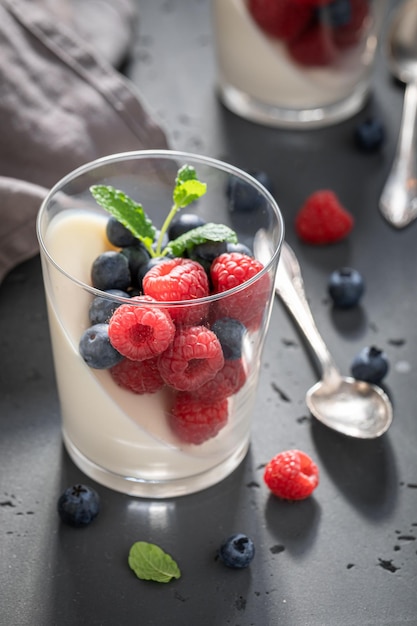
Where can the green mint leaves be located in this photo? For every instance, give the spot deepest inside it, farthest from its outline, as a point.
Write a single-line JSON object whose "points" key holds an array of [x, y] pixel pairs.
{"points": [[150, 562], [186, 190]]}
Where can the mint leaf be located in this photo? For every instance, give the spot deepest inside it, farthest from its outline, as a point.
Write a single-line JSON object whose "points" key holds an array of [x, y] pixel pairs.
{"points": [[201, 234], [126, 211], [150, 562], [187, 187]]}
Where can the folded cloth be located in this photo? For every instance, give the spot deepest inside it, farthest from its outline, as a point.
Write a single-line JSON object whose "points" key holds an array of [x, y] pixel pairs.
{"points": [[62, 104]]}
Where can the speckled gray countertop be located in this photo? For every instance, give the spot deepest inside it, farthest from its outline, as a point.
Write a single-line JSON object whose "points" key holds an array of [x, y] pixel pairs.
{"points": [[345, 557]]}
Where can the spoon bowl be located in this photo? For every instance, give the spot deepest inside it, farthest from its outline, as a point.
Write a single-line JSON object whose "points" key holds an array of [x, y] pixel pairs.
{"points": [[349, 406], [398, 202]]}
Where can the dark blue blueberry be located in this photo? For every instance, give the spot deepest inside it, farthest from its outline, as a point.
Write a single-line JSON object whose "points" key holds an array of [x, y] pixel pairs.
{"points": [[182, 223], [237, 551], [145, 267], [370, 365], [243, 196], [78, 505], [205, 253], [136, 255], [239, 247], [230, 333], [336, 13], [346, 287], [96, 349], [118, 234], [370, 135], [101, 309], [110, 270]]}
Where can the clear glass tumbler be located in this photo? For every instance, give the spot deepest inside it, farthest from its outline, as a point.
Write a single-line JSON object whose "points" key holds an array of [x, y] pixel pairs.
{"points": [[174, 420], [296, 63]]}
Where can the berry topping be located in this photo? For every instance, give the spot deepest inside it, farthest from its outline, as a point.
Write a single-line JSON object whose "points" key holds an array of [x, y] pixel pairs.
{"points": [[243, 196], [78, 505], [346, 287], [96, 349], [322, 219], [178, 279], [101, 309], [370, 135], [194, 357], [119, 235], [140, 332], [110, 270], [350, 33], [314, 47], [184, 222], [230, 333], [284, 19], [370, 365], [291, 475], [336, 13], [194, 421], [237, 551], [231, 270], [228, 381], [138, 376]]}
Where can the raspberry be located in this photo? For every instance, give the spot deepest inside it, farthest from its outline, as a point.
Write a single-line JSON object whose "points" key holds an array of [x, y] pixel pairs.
{"points": [[284, 19], [291, 475], [178, 280], [138, 376], [194, 357], [248, 305], [226, 382], [196, 422], [140, 332], [322, 219], [314, 47]]}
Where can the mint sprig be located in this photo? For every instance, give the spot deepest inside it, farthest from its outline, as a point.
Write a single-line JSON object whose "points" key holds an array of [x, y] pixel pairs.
{"points": [[150, 562], [187, 189]]}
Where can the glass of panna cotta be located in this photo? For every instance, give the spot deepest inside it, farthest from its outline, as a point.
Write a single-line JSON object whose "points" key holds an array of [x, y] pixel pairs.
{"points": [[296, 63], [158, 311]]}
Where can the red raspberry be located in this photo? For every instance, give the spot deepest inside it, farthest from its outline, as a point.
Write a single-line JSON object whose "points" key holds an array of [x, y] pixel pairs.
{"points": [[248, 305], [351, 33], [140, 332], [138, 376], [194, 357], [226, 382], [314, 47], [311, 3], [291, 475], [178, 280], [194, 421], [322, 219], [282, 19]]}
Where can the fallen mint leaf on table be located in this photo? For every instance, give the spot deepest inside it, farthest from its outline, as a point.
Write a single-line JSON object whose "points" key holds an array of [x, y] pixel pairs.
{"points": [[201, 234], [150, 562]]}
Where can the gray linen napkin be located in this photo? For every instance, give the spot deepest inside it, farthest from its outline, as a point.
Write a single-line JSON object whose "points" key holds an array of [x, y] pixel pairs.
{"points": [[62, 103]]}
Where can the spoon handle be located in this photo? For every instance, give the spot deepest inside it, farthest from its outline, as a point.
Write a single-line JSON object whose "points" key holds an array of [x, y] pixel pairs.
{"points": [[398, 202], [290, 288]]}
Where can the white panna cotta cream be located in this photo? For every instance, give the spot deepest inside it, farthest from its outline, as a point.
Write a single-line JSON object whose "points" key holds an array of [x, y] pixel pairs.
{"points": [[259, 80], [111, 433]]}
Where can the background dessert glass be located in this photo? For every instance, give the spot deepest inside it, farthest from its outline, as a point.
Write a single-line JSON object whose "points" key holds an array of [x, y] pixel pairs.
{"points": [[122, 439], [304, 63]]}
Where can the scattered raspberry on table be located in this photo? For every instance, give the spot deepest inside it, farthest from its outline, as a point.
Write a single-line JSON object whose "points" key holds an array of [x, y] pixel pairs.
{"points": [[291, 475], [322, 219]]}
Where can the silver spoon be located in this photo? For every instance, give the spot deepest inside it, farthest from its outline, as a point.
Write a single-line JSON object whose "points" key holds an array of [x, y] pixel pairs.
{"points": [[398, 202], [349, 406]]}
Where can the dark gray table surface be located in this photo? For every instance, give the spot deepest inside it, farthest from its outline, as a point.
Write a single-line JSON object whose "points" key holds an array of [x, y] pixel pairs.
{"points": [[346, 556]]}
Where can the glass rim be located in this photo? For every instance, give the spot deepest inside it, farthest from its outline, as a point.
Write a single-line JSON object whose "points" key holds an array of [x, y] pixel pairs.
{"points": [[167, 154]]}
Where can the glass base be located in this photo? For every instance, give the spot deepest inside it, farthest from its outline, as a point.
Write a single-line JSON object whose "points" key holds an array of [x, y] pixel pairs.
{"points": [[155, 489], [251, 109]]}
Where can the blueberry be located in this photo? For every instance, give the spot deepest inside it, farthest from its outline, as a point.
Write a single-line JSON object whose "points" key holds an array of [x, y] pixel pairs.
{"points": [[96, 349], [237, 551], [243, 196], [136, 255], [239, 247], [182, 223], [110, 270], [101, 309], [118, 234], [346, 287], [230, 333], [78, 505], [370, 365], [336, 13], [205, 253], [370, 135]]}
